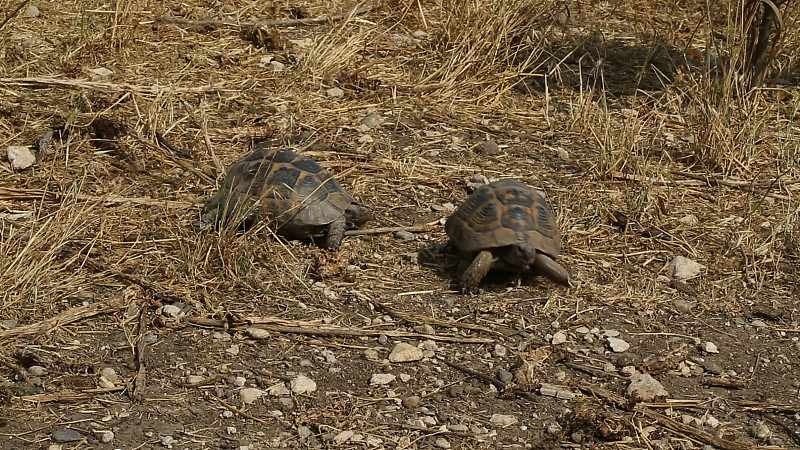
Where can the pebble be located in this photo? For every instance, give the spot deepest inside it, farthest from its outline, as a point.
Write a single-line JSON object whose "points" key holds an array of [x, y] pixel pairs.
{"points": [[405, 235], [713, 367], [442, 443], [455, 391], [258, 333], [249, 395], [618, 345], [66, 435], [105, 436], [239, 381], [712, 421], [645, 388], [563, 154], [304, 432], [171, 311], [372, 120], [488, 147], [37, 371], [343, 436], [690, 220], [371, 354], [31, 11], [194, 379], [279, 390], [277, 66], [581, 330], [760, 431], [710, 347], [20, 157], [109, 374], [758, 323], [419, 34], [381, 378], [425, 329], [500, 350], [232, 350], [100, 73], [559, 337], [682, 268], [502, 420], [405, 378], [167, 441], [334, 92], [682, 306], [505, 376], [302, 385], [403, 352], [412, 401]]}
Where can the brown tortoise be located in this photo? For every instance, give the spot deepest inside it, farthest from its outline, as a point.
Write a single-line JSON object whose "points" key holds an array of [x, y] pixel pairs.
{"points": [[290, 190], [508, 226]]}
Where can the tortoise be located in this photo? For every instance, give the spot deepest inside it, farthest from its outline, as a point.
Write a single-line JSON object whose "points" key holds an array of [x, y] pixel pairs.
{"points": [[290, 190], [508, 226]]}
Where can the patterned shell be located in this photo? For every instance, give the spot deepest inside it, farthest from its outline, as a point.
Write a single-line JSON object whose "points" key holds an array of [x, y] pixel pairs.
{"points": [[504, 213], [288, 188]]}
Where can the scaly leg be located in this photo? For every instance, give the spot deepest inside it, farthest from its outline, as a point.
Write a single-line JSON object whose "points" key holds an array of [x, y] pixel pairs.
{"points": [[478, 269]]}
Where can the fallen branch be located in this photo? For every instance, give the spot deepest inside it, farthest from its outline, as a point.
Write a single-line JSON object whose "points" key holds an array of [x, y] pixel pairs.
{"points": [[65, 318], [489, 379], [413, 229], [342, 331], [269, 23], [140, 379], [239, 411], [39, 194], [40, 82], [69, 397]]}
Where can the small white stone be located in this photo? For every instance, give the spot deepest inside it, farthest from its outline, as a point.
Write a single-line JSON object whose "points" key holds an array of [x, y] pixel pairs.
{"points": [[442, 443], [171, 311], [559, 337], [343, 436], [101, 72], [233, 350], [32, 11], [403, 352], [618, 345], [277, 66], [334, 92], [20, 157], [710, 347], [690, 220], [645, 388], [502, 420], [258, 333], [249, 395], [381, 378], [301, 384], [105, 436], [278, 390], [194, 379], [682, 268], [239, 381]]}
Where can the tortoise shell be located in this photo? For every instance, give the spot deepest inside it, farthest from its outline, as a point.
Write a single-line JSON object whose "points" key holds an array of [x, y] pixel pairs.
{"points": [[504, 213], [289, 189]]}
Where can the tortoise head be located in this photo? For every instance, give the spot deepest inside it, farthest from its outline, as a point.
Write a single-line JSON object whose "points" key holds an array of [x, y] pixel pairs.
{"points": [[521, 254]]}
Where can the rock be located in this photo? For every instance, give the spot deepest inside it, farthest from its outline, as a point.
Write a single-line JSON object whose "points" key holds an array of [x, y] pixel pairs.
{"points": [[401, 39], [381, 378], [277, 66], [412, 401], [405, 378], [403, 352], [278, 390], [713, 367], [249, 395], [104, 436], [709, 347], [232, 350], [334, 92], [258, 333], [372, 121], [712, 421], [618, 345], [502, 420], [563, 154], [343, 436], [37, 371], [425, 329], [301, 384], [167, 441], [477, 181], [194, 379], [455, 391], [419, 34], [682, 306], [239, 381], [489, 147], [505, 376], [645, 388], [682, 268], [405, 235], [559, 337], [442, 443], [31, 11], [303, 432], [760, 431], [371, 354], [109, 374], [66, 435], [100, 73], [171, 311], [20, 157], [758, 323], [690, 220]]}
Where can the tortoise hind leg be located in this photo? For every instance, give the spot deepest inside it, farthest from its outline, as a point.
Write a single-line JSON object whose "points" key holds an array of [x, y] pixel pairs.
{"points": [[477, 269], [333, 238], [545, 265]]}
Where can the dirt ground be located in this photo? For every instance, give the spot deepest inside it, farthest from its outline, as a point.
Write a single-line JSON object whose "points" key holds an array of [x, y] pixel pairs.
{"points": [[123, 325]]}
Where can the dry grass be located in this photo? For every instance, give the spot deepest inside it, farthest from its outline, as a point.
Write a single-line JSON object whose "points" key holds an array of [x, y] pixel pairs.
{"points": [[638, 94]]}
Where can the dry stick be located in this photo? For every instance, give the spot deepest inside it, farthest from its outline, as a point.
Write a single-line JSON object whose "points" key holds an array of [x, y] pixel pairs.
{"points": [[140, 379], [270, 23], [15, 367], [38, 82], [13, 13], [663, 420], [489, 379], [419, 318], [413, 229], [67, 317], [341, 331], [85, 394], [239, 411], [39, 194]]}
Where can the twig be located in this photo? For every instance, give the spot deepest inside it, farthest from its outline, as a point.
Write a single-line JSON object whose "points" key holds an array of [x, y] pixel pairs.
{"points": [[413, 229], [277, 376], [489, 379], [419, 318], [15, 367], [341, 331], [239, 411], [40, 194], [179, 161], [67, 397], [13, 13], [269, 23], [428, 431], [66, 317], [38, 82], [140, 379], [780, 407]]}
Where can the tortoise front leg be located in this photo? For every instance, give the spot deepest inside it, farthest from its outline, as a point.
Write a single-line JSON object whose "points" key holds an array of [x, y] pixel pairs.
{"points": [[335, 234], [545, 265], [478, 269]]}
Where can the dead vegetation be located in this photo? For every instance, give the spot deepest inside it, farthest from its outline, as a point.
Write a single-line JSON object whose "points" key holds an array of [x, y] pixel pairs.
{"points": [[656, 129]]}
